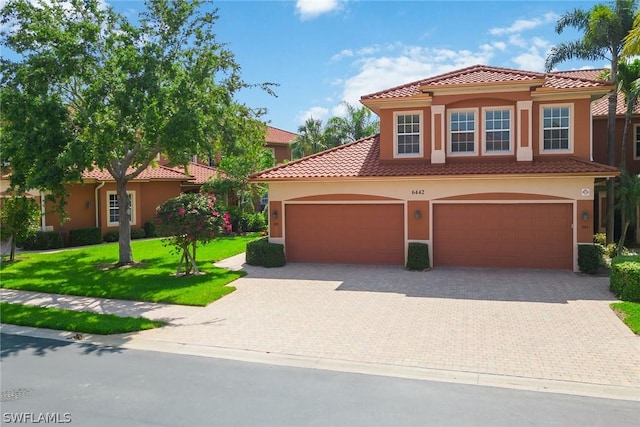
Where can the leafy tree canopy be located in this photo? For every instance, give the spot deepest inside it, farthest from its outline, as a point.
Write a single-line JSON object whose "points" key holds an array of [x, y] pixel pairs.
{"points": [[19, 219], [92, 89]]}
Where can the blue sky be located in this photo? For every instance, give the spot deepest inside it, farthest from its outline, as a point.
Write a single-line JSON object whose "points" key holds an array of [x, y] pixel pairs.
{"points": [[323, 51]]}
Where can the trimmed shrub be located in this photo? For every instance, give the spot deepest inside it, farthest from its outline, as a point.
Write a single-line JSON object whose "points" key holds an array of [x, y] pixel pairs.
{"points": [[137, 233], [625, 277], [85, 236], [150, 229], [261, 252], [256, 222], [255, 251], [589, 258], [111, 236], [114, 235], [274, 255], [43, 240], [418, 256]]}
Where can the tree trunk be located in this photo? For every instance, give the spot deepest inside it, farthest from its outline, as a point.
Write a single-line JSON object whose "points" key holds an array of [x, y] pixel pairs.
{"points": [[12, 252], [125, 256], [611, 146], [625, 134], [625, 227]]}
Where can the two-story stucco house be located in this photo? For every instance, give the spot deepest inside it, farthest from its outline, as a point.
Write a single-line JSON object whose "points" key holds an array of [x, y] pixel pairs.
{"points": [[489, 166]]}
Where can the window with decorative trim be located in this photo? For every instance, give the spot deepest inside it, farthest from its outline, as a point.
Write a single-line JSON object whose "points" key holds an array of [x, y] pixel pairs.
{"points": [[408, 134], [462, 132], [497, 135], [556, 128], [113, 209]]}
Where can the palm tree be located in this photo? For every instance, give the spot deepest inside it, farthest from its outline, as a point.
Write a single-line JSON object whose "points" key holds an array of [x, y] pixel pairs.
{"points": [[310, 140], [632, 40], [605, 28], [356, 124], [628, 202]]}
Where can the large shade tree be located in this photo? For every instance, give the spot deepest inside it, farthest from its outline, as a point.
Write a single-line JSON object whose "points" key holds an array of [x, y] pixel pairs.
{"points": [[90, 89], [604, 29]]}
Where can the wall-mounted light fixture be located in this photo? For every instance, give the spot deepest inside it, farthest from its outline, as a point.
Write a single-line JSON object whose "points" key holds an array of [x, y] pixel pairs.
{"points": [[585, 215], [274, 214], [417, 214]]}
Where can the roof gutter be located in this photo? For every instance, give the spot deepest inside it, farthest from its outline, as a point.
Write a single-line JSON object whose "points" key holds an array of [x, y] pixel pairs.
{"points": [[102, 183]]}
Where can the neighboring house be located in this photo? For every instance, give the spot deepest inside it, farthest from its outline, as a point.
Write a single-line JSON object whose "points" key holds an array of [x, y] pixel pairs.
{"points": [[489, 166], [279, 141], [93, 203]]}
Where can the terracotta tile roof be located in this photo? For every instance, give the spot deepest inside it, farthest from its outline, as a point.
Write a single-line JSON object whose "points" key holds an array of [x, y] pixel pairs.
{"points": [[160, 173], [279, 136], [592, 74], [362, 159], [199, 173], [483, 74]]}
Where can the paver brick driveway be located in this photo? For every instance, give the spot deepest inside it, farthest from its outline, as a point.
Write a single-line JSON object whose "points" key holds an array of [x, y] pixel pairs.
{"points": [[552, 325]]}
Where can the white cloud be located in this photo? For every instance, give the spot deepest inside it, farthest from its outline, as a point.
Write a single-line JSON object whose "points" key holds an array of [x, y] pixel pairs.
{"points": [[309, 9], [411, 63], [344, 53], [531, 60], [318, 113], [521, 25]]}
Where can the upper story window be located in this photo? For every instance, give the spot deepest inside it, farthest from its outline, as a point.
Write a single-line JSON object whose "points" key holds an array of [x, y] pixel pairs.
{"points": [[408, 134], [113, 209], [556, 128], [462, 131], [497, 130], [636, 142]]}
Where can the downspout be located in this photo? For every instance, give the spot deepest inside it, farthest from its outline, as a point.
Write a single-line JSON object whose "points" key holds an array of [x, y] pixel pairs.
{"points": [[96, 203], [43, 222]]}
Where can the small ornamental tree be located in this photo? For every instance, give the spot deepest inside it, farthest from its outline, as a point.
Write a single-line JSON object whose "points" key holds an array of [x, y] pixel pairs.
{"points": [[19, 219], [188, 219]]}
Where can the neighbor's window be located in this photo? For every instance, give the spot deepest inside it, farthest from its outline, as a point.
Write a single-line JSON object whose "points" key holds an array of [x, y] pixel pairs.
{"points": [[462, 131], [556, 128], [636, 142], [114, 209], [497, 130], [408, 134]]}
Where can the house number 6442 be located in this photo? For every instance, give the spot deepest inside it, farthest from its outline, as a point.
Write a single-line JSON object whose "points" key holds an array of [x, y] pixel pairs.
{"points": [[417, 191]]}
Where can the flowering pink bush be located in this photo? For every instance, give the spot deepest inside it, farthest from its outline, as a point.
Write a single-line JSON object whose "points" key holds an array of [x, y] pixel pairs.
{"points": [[188, 219]]}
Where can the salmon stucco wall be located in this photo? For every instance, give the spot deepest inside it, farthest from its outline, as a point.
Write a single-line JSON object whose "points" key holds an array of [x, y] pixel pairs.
{"points": [[584, 227], [418, 220], [80, 209], [275, 219]]}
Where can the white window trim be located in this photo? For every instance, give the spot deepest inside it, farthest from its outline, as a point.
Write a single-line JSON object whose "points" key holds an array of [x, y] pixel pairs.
{"points": [[476, 129], [131, 194], [635, 143], [511, 110], [395, 135], [541, 148]]}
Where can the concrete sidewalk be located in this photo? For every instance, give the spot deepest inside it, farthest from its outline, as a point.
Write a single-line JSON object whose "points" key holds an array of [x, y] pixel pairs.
{"points": [[538, 330]]}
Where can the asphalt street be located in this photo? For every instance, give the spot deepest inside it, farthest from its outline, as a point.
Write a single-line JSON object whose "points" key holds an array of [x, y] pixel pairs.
{"points": [[88, 385]]}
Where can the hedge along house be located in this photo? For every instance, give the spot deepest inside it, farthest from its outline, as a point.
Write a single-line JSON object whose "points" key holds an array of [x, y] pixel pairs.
{"points": [[490, 167], [93, 203]]}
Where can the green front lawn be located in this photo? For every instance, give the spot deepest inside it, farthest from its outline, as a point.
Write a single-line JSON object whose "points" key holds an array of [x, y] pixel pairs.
{"points": [[630, 314], [85, 272], [70, 320]]}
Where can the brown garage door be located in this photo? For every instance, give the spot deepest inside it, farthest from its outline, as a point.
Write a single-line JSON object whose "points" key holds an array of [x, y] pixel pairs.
{"points": [[503, 235], [353, 233]]}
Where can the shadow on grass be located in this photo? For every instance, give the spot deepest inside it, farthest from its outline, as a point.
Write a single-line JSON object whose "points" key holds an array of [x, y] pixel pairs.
{"points": [[78, 273], [13, 345]]}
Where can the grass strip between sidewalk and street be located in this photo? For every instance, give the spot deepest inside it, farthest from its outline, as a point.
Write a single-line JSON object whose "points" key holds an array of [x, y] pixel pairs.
{"points": [[630, 314], [89, 272], [74, 321]]}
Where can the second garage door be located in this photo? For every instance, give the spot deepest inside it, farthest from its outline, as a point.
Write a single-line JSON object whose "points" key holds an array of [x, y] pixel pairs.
{"points": [[503, 235], [345, 233]]}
